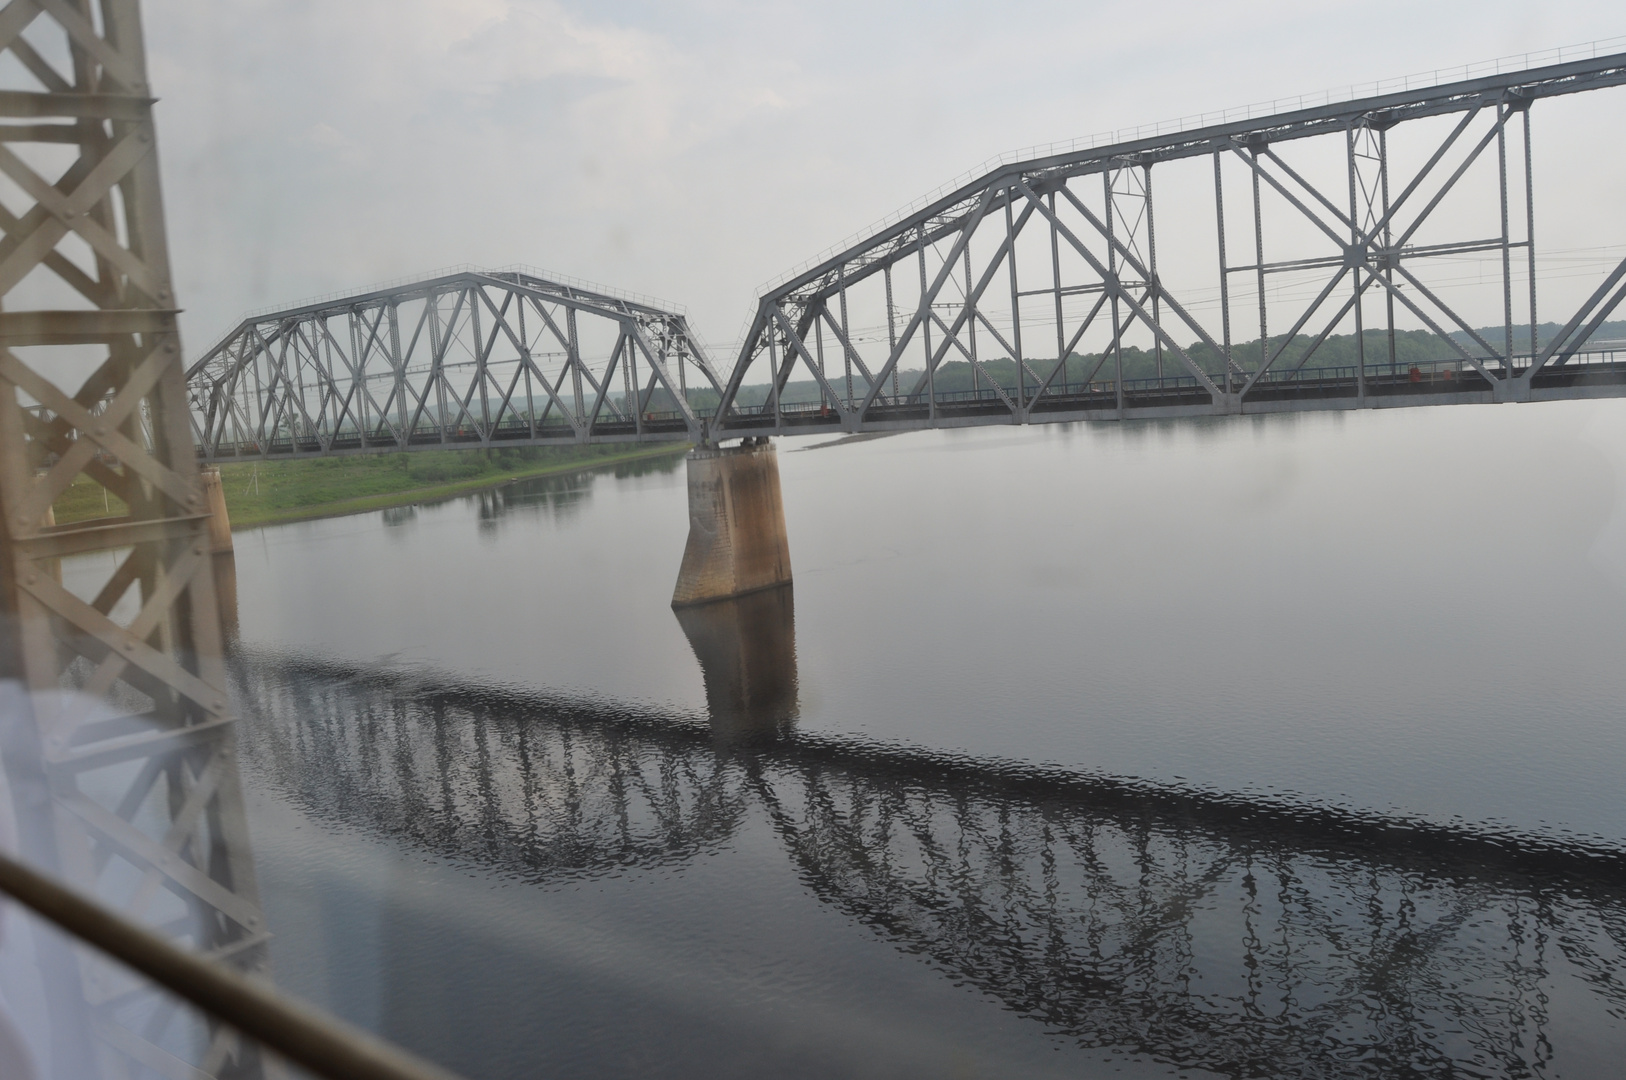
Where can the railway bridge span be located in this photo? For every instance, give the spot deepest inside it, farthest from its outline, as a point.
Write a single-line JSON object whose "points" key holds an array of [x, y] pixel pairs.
{"points": [[1315, 249], [1035, 262]]}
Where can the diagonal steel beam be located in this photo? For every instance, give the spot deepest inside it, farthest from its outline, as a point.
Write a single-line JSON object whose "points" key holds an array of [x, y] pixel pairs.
{"points": [[1451, 181], [1252, 162], [525, 362], [1106, 276], [1422, 174], [658, 368], [1562, 338], [794, 340], [1128, 256], [1439, 331], [1462, 324], [1291, 334], [951, 334], [943, 274], [851, 353]]}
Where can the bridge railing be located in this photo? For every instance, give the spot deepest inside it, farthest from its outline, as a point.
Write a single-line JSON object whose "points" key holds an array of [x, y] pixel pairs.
{"points": [[197, 1016], [524, 426], [1196, 121], [1400, 371]]}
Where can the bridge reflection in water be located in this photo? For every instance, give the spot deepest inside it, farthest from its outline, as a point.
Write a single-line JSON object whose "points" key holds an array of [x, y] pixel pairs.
{"points": [[1241, 936], [747, 652]]}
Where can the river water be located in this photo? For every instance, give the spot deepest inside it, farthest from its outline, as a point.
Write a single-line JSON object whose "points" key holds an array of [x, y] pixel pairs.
{"points": [[1286, 746]]}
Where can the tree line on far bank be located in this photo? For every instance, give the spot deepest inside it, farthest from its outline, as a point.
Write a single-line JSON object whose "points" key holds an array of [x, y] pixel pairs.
{"points": [[1338, 350]]}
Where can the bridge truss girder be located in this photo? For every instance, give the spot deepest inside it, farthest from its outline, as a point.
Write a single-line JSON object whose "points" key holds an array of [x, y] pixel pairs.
{"points": [[1067, 241], [938, 281], [466, 360]]}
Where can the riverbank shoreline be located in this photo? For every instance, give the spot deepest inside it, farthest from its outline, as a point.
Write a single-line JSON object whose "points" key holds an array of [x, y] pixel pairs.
{"points": [[250, 520]]}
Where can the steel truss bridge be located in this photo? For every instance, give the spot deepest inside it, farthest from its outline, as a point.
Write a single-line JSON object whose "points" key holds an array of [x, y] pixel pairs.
{"points": [[1008, 276], [1209, 932]]}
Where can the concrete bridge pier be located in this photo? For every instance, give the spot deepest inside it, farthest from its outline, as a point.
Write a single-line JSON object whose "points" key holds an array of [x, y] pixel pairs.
{"points": [[737, 542], [225, 576], [214, 494], [222, 553]]}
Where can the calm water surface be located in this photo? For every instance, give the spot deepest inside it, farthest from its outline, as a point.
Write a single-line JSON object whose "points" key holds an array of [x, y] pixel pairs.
{"points": [[1256, 748]]}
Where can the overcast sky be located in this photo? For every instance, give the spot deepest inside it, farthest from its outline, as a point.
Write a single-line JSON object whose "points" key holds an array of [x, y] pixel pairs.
{"points": [[692, 150]]}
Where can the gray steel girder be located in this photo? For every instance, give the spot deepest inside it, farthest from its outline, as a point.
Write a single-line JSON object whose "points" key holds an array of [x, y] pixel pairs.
{"points": [[489, 359]]}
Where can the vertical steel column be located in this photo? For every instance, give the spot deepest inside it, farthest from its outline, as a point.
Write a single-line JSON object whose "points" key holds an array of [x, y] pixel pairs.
{"points": [[322, 380], [326, 399], [846, 332], [121, 752], [818, 349], [1111, 285], [971, 326], [481, 355], [574, 359], [1259, 267], [629, 376], [660, 342], [291, 340], [1016, 309], [1151, 265], [1530, 229], [773, 371], [259, 395], [891, 329], [1055, 277], [525, 371], [926, 332], [1355, 235], [439, 342], [1224, 276], [1388, 242], [1507, 252], [683, 374], [363, 398]]}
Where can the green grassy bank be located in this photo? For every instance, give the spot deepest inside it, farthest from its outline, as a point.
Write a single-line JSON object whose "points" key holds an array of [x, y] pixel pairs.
{"points": [[272, 492]]}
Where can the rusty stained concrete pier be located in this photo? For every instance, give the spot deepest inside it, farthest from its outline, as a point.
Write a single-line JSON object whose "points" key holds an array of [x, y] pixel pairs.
{"points": [[214, 493], [737, 542]]}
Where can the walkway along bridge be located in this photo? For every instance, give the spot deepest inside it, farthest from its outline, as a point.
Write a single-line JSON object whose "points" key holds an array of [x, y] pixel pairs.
{"points": [[1035, 262]]}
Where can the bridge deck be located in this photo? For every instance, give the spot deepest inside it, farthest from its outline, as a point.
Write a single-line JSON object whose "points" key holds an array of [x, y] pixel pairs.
{"points": [[1307, 390]]}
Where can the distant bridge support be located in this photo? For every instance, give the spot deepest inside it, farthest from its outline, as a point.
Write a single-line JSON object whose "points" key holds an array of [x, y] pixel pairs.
{"points": [[737, 541], [214, 492]]}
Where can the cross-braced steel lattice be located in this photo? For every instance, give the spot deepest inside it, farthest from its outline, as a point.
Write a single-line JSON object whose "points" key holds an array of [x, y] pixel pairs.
{"points": [[469, 359], [1034, 293], [120, 751]]}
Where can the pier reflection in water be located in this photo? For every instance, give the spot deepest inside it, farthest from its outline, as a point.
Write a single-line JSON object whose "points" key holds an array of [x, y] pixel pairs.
{"points": [[1207, 932], [224, 564], [747, 652]]}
